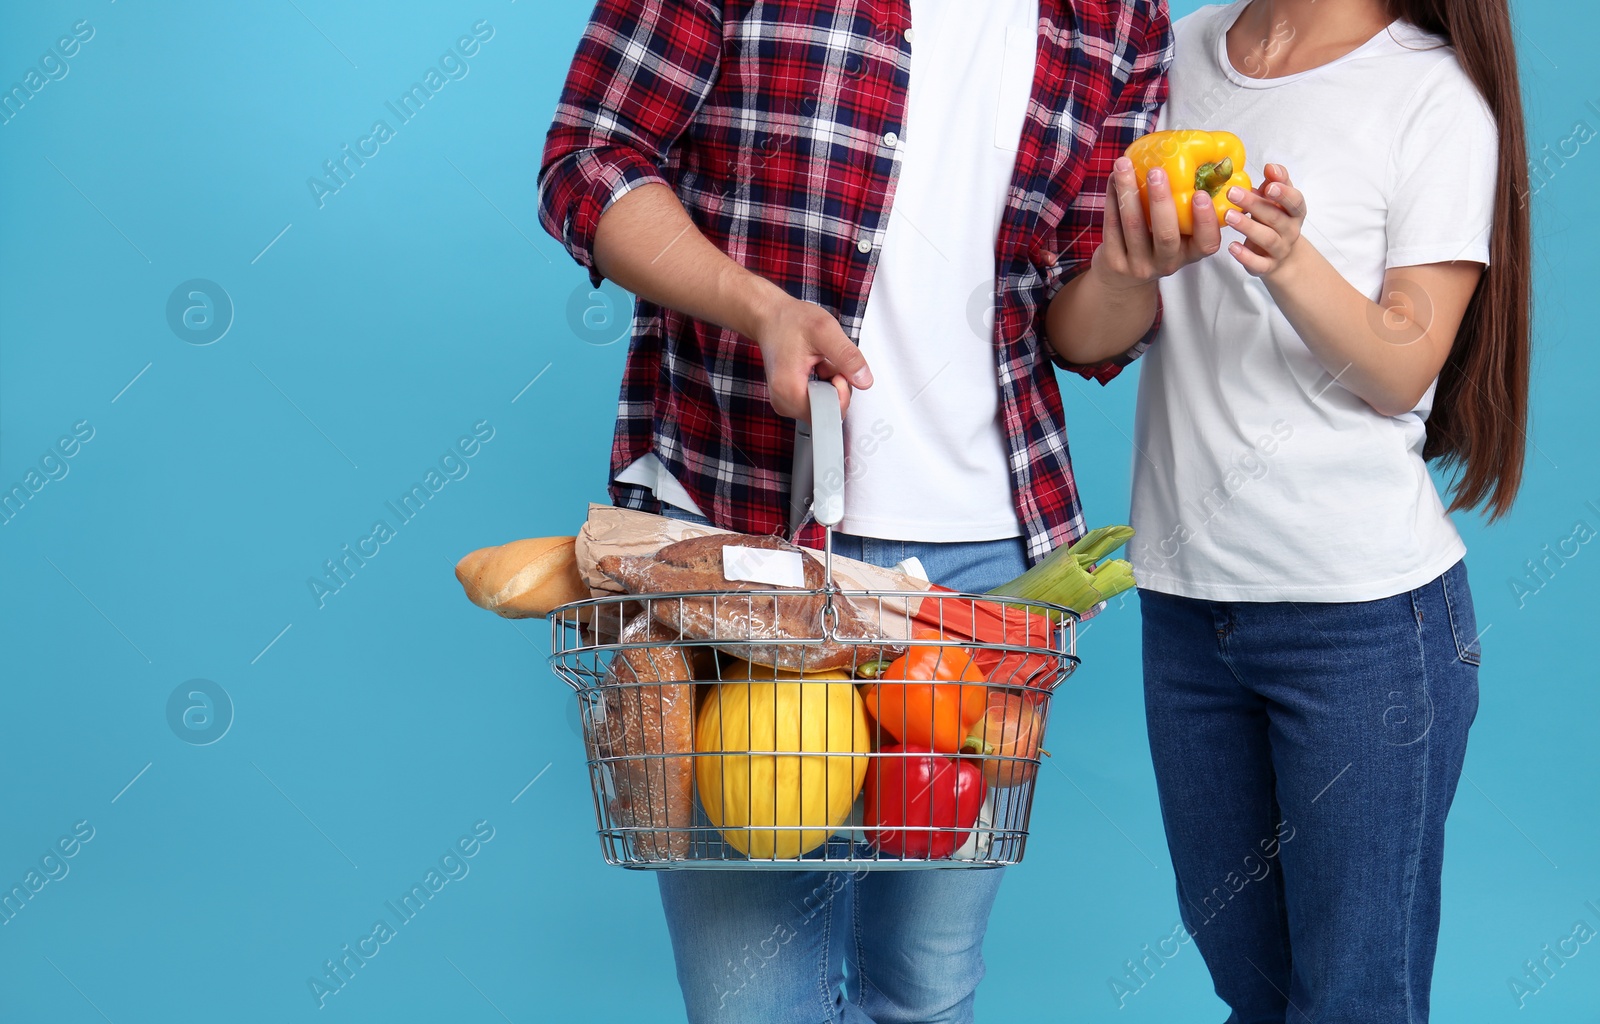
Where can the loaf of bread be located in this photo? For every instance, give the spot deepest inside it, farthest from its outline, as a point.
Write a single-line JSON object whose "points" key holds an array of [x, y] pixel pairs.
{"points": [[523, 579], [726, 617], [647, 711]]}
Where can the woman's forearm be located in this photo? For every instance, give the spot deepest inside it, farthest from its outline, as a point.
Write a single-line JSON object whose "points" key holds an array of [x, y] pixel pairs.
{"points": [[1386, 354], [1091, 320]]}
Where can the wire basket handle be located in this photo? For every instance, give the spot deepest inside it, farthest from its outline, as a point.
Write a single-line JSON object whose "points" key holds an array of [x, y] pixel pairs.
{"points": [[824, 444], [827, 452], [827, 497]]}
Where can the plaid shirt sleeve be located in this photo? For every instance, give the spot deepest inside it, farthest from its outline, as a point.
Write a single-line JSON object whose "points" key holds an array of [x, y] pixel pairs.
{"points": [[1147, 46], [642, 70]]}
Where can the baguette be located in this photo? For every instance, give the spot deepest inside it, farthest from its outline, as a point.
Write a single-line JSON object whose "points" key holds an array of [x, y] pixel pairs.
{"points": [[523, 579], [648, 711]]}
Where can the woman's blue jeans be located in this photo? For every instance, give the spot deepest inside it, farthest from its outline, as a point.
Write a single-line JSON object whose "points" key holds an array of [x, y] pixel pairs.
{"points": [[1306, 756], [758, 946]]}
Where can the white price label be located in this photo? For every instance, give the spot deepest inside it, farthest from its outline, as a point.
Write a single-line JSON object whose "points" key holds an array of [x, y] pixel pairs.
{"points": [[763, 565]]}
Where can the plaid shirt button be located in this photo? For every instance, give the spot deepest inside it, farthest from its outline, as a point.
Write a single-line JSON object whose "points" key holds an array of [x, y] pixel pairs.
{"points": [[864, 245], [891, 139]]}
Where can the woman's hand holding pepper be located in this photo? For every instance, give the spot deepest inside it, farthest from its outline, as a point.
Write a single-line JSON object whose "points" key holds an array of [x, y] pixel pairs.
{"points": [[1276, 213]]}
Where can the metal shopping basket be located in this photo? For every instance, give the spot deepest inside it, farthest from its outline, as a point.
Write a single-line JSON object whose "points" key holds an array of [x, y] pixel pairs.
{"points": [[840, 754]]}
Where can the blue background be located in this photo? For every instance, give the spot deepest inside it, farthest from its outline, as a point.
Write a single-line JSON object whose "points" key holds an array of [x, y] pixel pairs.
{"points": [[366, 735]]}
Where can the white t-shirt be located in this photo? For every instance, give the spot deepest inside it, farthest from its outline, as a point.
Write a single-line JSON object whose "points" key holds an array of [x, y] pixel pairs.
{"points": [[1257, 476], [926, 454]]}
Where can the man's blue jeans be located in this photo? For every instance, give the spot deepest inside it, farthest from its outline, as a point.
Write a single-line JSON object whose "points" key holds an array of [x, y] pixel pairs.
{"points": [[771, 947], [1306, 756]]}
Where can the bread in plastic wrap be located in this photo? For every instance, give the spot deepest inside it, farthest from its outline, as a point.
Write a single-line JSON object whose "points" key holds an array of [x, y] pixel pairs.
{"points": [[648, 711], [729, 615]]}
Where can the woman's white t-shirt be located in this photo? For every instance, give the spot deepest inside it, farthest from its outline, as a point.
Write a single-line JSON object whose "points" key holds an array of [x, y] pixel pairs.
{"points": [[1257, 475]]}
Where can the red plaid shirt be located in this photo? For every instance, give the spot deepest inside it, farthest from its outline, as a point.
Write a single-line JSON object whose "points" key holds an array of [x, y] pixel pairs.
{"points": [[768, 121]]}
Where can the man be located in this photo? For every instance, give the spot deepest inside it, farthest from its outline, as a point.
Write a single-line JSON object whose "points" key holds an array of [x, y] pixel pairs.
{"points": [[799, 187]]}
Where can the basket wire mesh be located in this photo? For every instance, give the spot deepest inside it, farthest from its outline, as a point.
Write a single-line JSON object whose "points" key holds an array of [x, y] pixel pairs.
{"points": [[779, 757], [703, 754]]}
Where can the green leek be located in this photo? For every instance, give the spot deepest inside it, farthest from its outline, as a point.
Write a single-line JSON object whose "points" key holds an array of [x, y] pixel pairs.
{"points": [[1075, 575]]}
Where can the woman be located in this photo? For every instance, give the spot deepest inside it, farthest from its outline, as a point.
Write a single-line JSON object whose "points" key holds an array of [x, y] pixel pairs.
{"points": [[1310, 652]]}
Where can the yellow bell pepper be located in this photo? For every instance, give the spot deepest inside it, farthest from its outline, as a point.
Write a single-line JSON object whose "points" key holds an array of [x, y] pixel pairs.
{"points": [[779, 764], [1194, 161]]}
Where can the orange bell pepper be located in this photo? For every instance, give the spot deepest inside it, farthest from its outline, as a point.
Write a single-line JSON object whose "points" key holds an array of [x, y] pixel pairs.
{"points": [[1195, 161], [943, 696]]}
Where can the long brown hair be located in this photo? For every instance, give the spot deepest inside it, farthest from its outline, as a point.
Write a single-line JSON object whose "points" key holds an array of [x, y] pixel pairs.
{"points": [[1478, 427]]}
